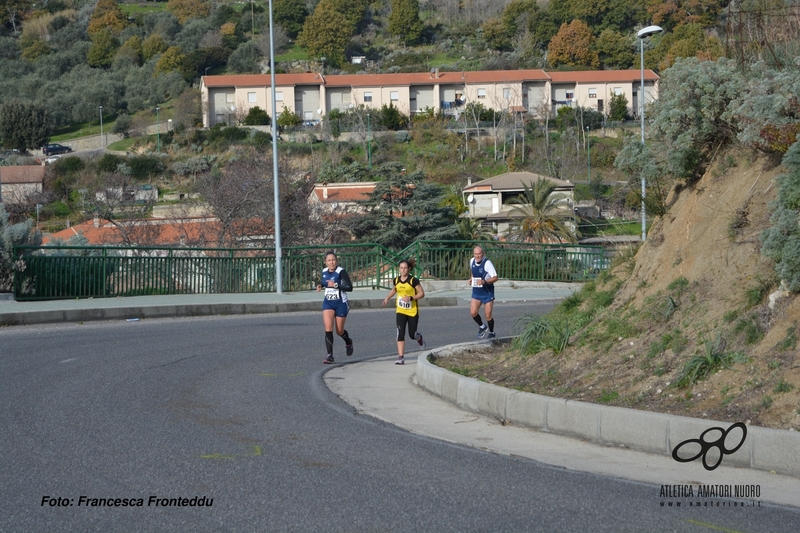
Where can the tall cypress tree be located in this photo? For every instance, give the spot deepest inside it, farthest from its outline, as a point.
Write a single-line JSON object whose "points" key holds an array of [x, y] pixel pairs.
{"points": [[404, 20], [24, 126]]}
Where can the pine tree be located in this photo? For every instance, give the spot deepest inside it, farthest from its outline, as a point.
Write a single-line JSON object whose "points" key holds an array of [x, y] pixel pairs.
{"points": [[404, 208]]}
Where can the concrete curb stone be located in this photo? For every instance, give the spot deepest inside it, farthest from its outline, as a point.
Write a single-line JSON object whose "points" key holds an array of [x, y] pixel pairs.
{"points": [[772, 450]]}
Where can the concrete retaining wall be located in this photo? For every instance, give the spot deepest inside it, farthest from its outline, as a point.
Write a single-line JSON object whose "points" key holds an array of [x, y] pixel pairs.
{"points": [[764, 449]]}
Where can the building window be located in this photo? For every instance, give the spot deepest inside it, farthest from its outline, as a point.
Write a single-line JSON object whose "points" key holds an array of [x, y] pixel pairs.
{"points": [[279, 96], [570, 95], [251, 97], [229, 98], [394, 96], [592, 92], [506, 93], [481, 93], [367, 97], [617, 91]]}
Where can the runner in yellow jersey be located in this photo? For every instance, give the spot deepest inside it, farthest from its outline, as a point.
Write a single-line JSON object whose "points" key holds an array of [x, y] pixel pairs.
{"points": [[408, 290]]}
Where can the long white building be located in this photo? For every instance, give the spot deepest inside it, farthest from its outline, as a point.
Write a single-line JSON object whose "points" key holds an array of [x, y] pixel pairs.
{"points": [[227, 99]]}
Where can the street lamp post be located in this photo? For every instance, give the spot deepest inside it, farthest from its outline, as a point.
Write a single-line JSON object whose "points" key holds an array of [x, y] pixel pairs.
{"points": [[275, 183], [102, 144], [369, 144], [642, 35], [158, 132]]}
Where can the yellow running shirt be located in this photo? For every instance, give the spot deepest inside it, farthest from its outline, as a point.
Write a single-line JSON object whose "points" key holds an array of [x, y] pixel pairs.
{"points": [[406, 288]]}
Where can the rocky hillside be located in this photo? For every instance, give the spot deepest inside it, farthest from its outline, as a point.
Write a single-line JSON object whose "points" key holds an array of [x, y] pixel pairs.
{"points": [[697, 300]]}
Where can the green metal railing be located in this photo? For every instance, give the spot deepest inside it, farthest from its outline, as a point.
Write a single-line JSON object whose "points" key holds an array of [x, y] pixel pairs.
{"points": [[56, 272], [515, 261]]}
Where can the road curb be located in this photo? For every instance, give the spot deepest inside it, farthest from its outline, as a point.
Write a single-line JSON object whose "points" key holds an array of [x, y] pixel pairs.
{"points": [[771, 450], [48, 316]]}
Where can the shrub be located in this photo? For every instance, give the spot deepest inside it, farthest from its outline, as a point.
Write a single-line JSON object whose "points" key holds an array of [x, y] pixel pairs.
{"points": [[109, 163], [701, 365], [144, 167], [256, 117], [541, 333], [288, 118]]}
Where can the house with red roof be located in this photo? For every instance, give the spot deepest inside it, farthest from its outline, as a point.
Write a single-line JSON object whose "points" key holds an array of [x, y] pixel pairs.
{"points": [[340, 199], [176, 232], [311, 96]]}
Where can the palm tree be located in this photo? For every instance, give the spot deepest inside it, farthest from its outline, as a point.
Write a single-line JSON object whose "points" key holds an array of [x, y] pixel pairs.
{"points": [[543, 216], [470, 229]]}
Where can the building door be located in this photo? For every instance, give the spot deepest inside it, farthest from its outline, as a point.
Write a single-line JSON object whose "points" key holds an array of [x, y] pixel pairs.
{"points": [[600, 106]]}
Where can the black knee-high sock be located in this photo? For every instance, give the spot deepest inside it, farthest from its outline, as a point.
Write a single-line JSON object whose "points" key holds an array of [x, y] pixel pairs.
{"points": [[329, 342], [346, 337], [477, 319], [491, 324]]}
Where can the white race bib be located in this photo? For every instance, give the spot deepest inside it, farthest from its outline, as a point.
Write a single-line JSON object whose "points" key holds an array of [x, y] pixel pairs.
{"points": [[401, 304], [331, 293], [475, 282]]}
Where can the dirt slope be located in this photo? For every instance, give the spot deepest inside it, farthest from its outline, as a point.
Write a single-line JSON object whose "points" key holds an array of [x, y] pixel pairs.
{"points": [[697, 287]]}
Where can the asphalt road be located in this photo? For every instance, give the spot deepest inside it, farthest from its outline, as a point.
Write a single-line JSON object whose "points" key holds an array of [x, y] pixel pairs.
{"points": [[234, 410]]}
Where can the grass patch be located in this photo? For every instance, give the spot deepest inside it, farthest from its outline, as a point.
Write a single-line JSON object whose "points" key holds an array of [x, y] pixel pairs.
{"points": [[295, 53], [123, 145], [789, 342], [607, 396], [542, 333], [702, 365], [766, 402], [756, 294], [749, 329], [132, 10], [782, 386], [730, 316]]}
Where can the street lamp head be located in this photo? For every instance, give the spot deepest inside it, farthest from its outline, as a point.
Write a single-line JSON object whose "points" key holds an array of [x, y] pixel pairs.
{"points": [[648, 31]]}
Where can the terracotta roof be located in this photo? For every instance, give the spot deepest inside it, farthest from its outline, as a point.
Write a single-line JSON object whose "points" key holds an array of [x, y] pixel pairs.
{"points": [[376, 80], [428, 78], [152, 232], [602, 76], [343, 192], [514, 181], [261, 80], [22, 174]]}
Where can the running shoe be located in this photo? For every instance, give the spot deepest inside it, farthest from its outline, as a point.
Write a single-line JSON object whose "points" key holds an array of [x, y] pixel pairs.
{"points": [[400, 361], [349, 348], [492, 335], [420, 341], [482, 331], [328, 360]]}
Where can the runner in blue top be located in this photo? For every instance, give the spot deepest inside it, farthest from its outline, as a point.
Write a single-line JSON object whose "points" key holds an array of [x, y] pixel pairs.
{"points": [[482, 279], [336, 284]]}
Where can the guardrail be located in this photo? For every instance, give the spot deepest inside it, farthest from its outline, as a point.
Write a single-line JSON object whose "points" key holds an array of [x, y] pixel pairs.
{"points": [[58, 272]]}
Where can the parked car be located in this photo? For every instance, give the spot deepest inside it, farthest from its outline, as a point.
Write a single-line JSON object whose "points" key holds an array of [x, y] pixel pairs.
{"points": [[52, 159], [53, 149]]}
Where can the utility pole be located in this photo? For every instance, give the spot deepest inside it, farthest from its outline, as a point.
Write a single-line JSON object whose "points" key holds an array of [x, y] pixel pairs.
{"points": [[158, 132], [588, 156], [102, 144], [369, 144]]}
